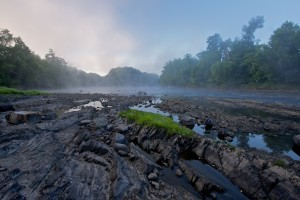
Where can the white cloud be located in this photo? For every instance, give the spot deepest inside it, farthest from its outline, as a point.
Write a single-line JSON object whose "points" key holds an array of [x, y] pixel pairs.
{"points": [[88, 37]]}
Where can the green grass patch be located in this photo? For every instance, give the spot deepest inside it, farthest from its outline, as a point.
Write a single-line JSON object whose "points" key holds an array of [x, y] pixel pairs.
{"points": [[6, 90], [280, 163], [158, 121]]}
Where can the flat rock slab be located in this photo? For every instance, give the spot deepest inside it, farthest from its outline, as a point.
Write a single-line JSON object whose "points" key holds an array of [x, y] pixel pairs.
{"points": [[20, 117]]}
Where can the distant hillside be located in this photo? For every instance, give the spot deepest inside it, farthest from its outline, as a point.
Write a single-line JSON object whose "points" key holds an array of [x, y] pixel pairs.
{"points": [[128, 76], [22, 68]]}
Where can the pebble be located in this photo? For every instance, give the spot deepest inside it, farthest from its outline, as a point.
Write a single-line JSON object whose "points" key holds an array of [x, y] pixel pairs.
{"points": [[152, 176], [178, 172]]}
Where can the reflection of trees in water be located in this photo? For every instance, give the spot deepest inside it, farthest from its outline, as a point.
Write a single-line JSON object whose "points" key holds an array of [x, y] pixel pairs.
{"points": [[280, 143], [243, 139]]}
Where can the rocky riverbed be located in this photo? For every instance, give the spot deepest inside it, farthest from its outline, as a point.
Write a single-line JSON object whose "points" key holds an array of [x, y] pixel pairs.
{"points": [[75, 146]]}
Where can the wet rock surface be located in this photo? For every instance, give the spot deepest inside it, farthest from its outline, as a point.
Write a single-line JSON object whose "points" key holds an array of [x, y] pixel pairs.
{"points": [[237, 114], [92, 153]]}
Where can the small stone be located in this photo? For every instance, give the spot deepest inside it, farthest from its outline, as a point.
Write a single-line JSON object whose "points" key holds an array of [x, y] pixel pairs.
{"points": [[213, 195], [228, 139], [178, 172], [120, 138], [121, 128], [85, 122], [109, 127], [121, 147], [155, 184], [131, 157], [123, 153], [152, 176]]}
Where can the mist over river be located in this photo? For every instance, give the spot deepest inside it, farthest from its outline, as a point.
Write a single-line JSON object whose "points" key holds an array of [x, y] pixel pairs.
{"points": [[267, 96]]}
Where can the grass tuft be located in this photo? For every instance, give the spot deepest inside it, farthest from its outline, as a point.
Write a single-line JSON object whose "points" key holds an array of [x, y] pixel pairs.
{"points": [[6, 90], [280, 163], [158, 121]]}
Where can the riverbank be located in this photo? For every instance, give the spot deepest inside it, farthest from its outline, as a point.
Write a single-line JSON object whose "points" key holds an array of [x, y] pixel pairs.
{"points": [[81, 148]]}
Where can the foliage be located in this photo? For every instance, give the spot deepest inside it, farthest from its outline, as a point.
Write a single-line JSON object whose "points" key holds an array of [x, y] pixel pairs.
{"points": [[21, 68], [129, 76], [158, 121], [242, 61], [5, 90]]}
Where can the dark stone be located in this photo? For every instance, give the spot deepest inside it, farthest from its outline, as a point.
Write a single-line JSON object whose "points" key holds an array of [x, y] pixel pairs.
{"points": [[6, 107], [85, 122], [222, 133], [296, 140], [208, 124], [121, 147], [123, 153]]}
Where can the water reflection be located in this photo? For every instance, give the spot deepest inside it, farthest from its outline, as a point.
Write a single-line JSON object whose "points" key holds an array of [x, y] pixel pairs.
{"points": [[95, 104], [280, 144]]}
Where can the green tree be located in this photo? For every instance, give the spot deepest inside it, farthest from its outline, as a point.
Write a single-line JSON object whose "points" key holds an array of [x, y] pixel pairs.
{"points": [[285, 53]]}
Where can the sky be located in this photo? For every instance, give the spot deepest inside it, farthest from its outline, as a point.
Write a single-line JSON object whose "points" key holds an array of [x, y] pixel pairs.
{"points": [[97, 35]]}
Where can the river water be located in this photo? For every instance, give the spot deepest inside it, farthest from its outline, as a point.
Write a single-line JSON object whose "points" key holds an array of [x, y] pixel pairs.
{"points": [[288, 97]]}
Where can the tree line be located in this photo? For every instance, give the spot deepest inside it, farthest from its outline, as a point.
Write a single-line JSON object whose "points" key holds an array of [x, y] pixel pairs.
{"points": [[242, 61], [22, 68]]}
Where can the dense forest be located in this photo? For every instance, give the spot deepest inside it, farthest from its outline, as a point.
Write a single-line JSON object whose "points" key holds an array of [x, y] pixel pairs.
{"points": [[242, 61], [22, 68]]}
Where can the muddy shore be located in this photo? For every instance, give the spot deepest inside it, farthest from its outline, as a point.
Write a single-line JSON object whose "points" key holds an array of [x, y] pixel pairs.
{"points": [[81, 148]]}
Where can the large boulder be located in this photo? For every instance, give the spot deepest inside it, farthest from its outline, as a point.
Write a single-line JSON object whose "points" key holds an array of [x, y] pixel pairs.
{"points": [[187, 120], [23, 117]]}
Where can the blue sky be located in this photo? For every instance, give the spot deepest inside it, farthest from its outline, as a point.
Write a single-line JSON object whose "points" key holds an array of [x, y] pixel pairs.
{"points": [[97, 35]]}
